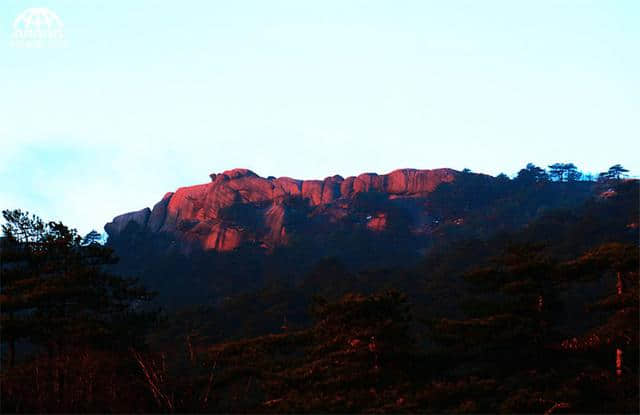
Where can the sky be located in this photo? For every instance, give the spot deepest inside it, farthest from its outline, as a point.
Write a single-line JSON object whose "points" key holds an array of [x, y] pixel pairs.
{"points": [[141, 97]]}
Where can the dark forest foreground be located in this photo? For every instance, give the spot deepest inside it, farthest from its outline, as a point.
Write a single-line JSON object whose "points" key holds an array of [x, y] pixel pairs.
{"points": [[538, 319]]}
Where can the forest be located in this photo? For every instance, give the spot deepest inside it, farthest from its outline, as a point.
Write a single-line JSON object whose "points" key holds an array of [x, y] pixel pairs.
{"points": [[522, 310]]}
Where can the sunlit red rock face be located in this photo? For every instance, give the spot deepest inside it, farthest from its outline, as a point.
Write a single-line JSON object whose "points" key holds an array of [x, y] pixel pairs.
{"points": [[239, 206], [377, 222]]}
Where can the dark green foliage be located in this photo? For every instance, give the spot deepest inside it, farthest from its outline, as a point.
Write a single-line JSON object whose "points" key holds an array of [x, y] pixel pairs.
{"points": [[91, 238], [564, 172], [494, 318], [544, 322], [524, 318], [60, 311], [513, 301], [83, 380], [615, 172], [356, 356], [54, 290], [532, 174]]}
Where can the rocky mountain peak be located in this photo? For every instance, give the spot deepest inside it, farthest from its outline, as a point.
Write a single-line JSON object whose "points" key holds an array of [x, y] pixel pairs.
{"points": [[238, 205]]}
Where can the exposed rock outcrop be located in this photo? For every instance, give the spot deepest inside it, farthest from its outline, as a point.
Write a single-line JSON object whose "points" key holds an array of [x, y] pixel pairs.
{"points": [[119, 223], [239, 206]]}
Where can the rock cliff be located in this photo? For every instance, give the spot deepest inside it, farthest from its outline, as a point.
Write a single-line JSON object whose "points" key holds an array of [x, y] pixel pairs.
{"points": [[238, 206]]}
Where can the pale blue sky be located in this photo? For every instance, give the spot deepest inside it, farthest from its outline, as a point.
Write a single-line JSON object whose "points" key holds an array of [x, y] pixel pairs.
{"points": [[150, 95]]}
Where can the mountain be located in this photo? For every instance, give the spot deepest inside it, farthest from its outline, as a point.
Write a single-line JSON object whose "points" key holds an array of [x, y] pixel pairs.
{"points": [[238, 206], [240, 231], [525, 300]]}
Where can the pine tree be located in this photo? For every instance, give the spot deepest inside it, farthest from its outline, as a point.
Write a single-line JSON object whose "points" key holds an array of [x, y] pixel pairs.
{"points": [[615, 172], [572, 173], [56, 293], [564, 172], [613, 343], [619, 263], [556, 172], [510, 319], [92, 237], [532, 174]]}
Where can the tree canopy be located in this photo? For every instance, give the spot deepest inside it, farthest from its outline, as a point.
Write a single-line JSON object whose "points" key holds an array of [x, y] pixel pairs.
{"points": [[615, 172], [532, 174], [55, 291], [564, 172]]}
